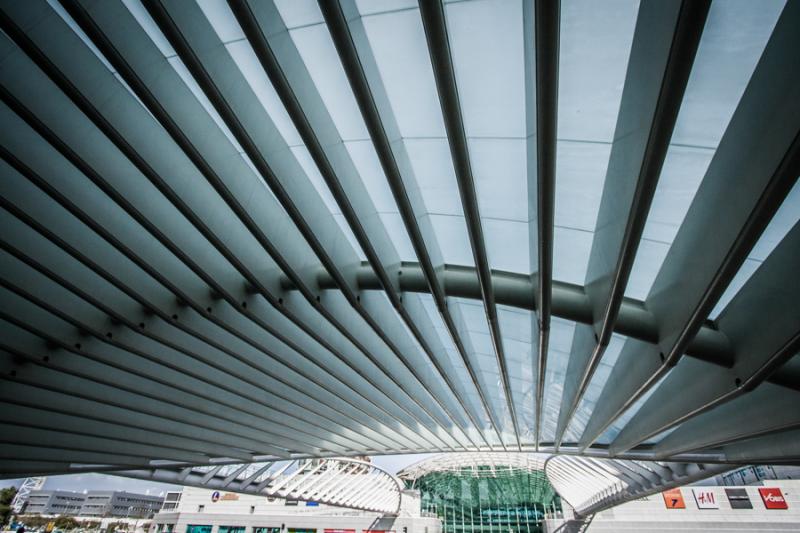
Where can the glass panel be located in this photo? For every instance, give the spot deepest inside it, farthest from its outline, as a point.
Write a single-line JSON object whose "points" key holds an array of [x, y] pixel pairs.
{"points": [[297, 13], [784, 220], [245, 58], [148, 24], [223, 21], [455, 361], [614, 429], [398, 43], [733, 39], [487, 52], [561, 333], [596, 40], [483, 357], [598, 381], [231, 529], [319, 55], [515, 325]]}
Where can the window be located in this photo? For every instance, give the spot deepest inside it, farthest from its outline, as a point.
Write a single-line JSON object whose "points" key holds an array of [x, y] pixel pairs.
{"points": [[198, 529], [266, 530], [231, 529]]}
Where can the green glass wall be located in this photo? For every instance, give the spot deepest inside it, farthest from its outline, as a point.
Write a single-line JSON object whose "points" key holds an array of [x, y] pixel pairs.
{"points": [[488, 500]]}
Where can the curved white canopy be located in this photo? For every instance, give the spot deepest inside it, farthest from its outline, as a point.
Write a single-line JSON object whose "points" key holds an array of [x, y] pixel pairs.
{"points": [[592, 485], [479, 464]]}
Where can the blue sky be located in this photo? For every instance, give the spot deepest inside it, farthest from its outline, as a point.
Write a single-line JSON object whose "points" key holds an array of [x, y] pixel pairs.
{"points": [[80, 482]]}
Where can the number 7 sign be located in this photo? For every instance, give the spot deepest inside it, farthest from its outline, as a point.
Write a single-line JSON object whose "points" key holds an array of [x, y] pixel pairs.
{"points": [[673, 499]]}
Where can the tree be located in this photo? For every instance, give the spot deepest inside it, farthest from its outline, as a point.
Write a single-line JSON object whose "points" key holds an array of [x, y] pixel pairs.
{"points": [[6, 497], [66, 522]]}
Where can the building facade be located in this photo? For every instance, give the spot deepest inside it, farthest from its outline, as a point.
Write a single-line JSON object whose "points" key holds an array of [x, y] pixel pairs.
{"points": [[120, 504], [771, 506], [54, 502], [94, 503], [205, 511]]}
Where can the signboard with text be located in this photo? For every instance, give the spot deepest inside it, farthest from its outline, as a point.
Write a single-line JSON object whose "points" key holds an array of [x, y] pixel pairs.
{"points": [[773, 498], [673, 499], [705, 498]]}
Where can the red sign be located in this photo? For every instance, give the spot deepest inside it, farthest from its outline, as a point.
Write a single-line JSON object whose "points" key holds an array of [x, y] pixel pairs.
{"points": [[673, 499], [773, 498]]}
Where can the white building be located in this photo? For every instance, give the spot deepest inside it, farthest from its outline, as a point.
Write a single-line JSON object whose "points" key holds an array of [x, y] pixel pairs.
{"points": [[205, 511], [771, 507]]}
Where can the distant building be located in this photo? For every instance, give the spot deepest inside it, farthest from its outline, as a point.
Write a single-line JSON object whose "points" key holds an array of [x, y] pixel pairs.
{"points": [[54, 502], [120, 504], [94, 503]]}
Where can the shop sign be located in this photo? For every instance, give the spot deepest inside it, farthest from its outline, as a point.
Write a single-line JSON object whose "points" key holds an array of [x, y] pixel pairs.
{"points": [[673, 499], [738, 499], [705, 498], [773, 498]]}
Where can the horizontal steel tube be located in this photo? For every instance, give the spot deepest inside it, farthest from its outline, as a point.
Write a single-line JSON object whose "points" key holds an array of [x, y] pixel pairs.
{"points": [[569, 302]]}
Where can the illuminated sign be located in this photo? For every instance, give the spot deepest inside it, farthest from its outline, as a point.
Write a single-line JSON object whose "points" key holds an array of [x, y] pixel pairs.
{"points": [[773, 498], [673, 499], [705, 498], [738, 499], [215, 496]]}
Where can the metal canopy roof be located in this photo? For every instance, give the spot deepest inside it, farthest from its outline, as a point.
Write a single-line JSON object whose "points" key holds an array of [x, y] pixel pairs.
{"points": [[268, 229]]}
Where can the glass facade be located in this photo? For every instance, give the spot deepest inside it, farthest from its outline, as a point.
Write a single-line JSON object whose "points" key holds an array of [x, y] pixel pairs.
{"points": [[488, 499]]}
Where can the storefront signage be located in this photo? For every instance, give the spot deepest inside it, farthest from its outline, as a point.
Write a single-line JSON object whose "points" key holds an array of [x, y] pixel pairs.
{"points": [[773, 498], [738, 499], [673, 499], [705, 498], [228, 496]]}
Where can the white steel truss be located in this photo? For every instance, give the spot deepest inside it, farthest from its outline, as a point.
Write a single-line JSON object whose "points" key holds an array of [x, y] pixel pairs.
{"points": [[342, 482], [592, 485]]}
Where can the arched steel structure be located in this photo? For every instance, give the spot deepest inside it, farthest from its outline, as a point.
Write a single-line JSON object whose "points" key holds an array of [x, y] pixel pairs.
{"points": [[481, 464], [342, 482], [593, 485], [262, 230]]}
